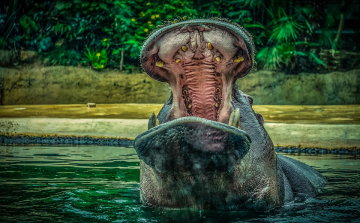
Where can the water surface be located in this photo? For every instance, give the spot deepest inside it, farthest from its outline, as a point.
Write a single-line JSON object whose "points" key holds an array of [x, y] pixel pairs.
{"points": [[101, 184]]}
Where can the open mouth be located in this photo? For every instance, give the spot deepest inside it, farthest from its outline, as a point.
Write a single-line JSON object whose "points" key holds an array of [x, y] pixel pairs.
{"points": [[200, 61]]}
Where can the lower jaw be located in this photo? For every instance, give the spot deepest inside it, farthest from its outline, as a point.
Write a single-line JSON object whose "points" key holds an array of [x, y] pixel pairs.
{"points": [[212, 190], [192, 144], [185, 189], [196, 181]]}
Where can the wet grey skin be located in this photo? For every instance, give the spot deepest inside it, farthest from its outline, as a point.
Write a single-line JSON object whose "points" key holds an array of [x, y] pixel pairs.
{"points": [[207, 148]]}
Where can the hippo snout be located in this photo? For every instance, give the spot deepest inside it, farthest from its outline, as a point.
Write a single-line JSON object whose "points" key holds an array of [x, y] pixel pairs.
{"points": [[192, 144]]}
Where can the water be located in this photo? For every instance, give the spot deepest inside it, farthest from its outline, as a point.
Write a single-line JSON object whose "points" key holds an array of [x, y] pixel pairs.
{"points": [[101, 184]]}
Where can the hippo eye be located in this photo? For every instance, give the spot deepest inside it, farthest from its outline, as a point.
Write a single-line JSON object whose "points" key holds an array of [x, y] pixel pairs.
{"points": [[250, 100]]}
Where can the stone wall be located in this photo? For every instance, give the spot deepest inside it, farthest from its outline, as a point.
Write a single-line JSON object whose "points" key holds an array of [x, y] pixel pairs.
{"points": [[274, 88], [76, 85]]}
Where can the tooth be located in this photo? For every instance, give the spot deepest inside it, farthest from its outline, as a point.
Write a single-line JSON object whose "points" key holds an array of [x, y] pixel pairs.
{"points": [[209, 46], [238, 59], [159, 63], [218, 59], [234, 119], [153, 121], [177, 60], [184, 48]]}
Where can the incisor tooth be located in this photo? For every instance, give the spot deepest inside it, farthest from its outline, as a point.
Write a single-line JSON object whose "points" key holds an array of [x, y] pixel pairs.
{"points": [[209, 46], [177, 60], [234, 119], [184, 48], [153, 121], [218, 59]]}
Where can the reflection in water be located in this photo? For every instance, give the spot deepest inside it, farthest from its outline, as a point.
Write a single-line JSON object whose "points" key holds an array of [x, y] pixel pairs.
{"points": [[101, 184]]}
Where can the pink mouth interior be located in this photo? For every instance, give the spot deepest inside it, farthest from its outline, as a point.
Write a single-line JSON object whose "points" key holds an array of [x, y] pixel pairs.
{"points": [[201, 89]]}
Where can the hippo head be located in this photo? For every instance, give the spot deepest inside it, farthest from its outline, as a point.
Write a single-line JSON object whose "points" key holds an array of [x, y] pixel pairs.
{"points": [[209, 151]]}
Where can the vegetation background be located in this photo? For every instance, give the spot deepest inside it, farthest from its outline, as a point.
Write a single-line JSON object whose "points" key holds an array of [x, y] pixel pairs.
{"points": [[292, 36]]}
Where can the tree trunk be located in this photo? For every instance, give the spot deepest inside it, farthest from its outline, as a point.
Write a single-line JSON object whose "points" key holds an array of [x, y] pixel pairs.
{"points": [[344, 7], [122, 57], [341, 26]]}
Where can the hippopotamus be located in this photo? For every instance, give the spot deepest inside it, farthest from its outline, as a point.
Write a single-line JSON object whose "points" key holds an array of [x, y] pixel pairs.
{"points": [[207, 148]]}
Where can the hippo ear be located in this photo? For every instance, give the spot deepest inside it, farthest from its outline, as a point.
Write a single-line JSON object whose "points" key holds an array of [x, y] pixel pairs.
{"points": [[152, 64]]}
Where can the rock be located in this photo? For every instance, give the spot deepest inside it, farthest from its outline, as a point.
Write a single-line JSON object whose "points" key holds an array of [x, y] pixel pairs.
{"points": [[7, 57], [28, 56], [91, 105]]}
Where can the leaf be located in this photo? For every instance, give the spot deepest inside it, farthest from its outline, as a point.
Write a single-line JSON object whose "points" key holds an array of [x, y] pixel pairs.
{"points": [[116, 51], [316, 59], [103, 6], [59, 5], [257, 25], [306, 43], [285, 30], [301, 53]]}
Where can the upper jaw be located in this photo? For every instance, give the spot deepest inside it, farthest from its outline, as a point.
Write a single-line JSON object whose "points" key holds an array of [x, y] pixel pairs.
{"points": [[201, 66]]}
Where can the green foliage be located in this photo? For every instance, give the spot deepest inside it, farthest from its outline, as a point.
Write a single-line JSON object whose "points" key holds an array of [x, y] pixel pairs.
{"points": [[98, 58], [281, 34], [134, 20], [61, 56], [60, 29], [285, 29], [29, 26], [2, 43]]}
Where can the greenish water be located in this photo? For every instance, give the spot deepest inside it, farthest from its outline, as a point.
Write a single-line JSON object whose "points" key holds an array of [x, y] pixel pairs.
{"points": [[101, 184]]}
